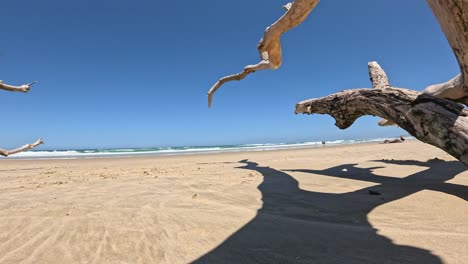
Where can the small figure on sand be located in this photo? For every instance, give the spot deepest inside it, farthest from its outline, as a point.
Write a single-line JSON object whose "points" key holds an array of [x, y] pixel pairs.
{"points": [[396, 140]]}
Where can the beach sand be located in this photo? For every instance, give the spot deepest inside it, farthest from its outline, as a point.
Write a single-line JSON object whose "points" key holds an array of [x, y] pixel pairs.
{"points": [[287, 206]]}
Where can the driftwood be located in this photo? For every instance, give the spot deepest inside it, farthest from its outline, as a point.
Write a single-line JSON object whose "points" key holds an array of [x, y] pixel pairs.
{"points": [[452, 16], [269, 46], [7, 153], [11, 88], [436, 121], [24, 89], [435, 116]]}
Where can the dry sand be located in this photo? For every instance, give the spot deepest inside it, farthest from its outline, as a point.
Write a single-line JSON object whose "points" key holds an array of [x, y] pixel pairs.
{"points": [[288, 206]]}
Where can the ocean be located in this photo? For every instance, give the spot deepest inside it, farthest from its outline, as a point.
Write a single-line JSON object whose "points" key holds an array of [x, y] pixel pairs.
{"points": [[127, 152]]}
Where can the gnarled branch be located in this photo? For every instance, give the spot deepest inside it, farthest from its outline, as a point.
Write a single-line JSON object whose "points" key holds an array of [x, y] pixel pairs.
{"points": [[451, 14], [436, 121], [434, 116], [6, 153], [442, 123], [269, 46]]}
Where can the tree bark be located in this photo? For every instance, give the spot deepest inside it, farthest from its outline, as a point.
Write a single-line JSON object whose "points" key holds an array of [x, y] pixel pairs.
{"points": [[452, 16], [433, 120], [434, 116]]}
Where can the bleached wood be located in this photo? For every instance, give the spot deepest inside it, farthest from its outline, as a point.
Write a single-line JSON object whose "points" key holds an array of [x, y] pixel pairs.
{"points": [[438, 122], [434, 116], [453, 90], [12, 88], [6, 153], [377, 75], [269, 46], [379, 80], [452, 16], [24, 89]]}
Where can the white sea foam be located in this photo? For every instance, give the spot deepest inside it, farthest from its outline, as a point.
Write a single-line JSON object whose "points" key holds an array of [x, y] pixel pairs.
{"points": [[55, 154]]}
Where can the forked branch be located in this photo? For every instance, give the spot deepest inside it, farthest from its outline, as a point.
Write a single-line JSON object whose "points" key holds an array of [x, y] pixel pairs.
{"points": [[438, 122]]}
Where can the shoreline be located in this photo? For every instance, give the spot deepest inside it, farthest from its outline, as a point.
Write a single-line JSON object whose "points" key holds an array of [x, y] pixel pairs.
{"points": [[272, 147], [402, 202]]}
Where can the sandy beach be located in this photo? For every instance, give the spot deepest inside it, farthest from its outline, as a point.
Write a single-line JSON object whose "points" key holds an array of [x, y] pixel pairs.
{"points": [[364, 203]]}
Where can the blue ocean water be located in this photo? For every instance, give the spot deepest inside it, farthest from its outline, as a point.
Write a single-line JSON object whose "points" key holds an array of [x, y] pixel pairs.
{"points": [[89, 153]]}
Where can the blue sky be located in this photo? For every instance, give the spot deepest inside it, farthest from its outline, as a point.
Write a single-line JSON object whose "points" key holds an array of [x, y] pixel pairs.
{"points": [[135, 73]]}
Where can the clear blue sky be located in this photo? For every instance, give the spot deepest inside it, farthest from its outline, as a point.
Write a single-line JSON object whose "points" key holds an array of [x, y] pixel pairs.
{"points": [[135, 73]]}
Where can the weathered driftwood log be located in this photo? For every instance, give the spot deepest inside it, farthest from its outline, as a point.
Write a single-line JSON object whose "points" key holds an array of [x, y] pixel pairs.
{"points": [[269, 46], [434, 116], [24, 89], [452, 16], [436, 121]]}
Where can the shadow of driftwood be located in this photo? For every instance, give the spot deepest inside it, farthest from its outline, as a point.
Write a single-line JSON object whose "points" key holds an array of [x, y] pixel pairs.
{"points": [[297, 226]]}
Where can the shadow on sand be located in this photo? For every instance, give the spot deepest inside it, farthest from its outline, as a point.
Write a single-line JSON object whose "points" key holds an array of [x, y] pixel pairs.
{"points": [[297, 226]]}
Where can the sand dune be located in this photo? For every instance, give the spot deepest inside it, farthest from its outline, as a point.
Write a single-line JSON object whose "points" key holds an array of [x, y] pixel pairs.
{"points": [[288, 206]]}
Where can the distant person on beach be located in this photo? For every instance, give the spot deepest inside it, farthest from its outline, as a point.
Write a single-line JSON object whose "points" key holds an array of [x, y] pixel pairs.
{"points": [[397, 140]]}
